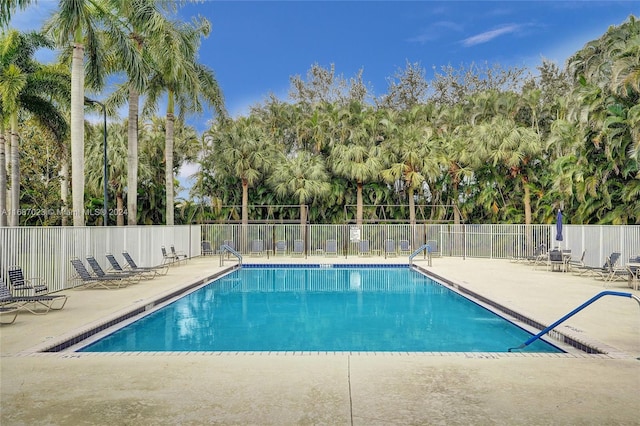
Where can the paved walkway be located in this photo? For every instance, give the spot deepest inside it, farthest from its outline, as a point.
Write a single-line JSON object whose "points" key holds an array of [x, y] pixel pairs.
{"points": [[338, 389]]}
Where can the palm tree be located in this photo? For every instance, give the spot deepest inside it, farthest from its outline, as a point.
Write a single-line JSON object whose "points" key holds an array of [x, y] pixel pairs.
{"points": [[452, 134], [413, 157], [32, 87], [242, 150], [116, 154], [145, 21], [7, 7], [187, 84], [85, 23], [358, 157], [502, 142], [303, 177]]}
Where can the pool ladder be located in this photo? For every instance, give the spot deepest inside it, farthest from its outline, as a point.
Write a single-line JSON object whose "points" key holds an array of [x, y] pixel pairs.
{"points": [[417, 251], [575, 311], [225, 248]]}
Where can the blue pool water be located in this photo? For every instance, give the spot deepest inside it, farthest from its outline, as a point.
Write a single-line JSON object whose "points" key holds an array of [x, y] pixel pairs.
{"points": [[321, 309]]}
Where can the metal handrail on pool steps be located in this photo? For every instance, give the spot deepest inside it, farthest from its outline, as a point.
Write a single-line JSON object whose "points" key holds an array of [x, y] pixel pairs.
{"points": [[419, 250], [225, 248], [575, 311]]}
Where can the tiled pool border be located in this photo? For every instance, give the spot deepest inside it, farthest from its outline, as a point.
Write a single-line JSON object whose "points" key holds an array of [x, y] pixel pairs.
{"points": [[68, 342], [590, 348]]}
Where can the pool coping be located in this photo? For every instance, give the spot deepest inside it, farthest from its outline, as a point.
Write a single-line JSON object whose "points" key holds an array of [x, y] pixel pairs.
{"points": [[60, 347], [584, 345]]}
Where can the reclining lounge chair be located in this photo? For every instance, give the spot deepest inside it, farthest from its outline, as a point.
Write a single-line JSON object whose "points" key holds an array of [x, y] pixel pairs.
{"points": [[90, 281], [47, 302], [132, 266], [117, 269]]}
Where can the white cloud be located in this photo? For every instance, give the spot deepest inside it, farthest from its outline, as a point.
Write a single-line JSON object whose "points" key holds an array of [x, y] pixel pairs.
{"points": [[490, 35], [434, 31], [188, 170]]}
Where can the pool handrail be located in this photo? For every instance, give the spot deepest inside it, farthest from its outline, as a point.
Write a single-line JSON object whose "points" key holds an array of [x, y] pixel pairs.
{"points": [[417, 251], [226, 248], [575, 311]]}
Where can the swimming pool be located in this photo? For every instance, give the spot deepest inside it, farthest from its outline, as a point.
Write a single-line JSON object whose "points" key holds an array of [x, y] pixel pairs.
{"points": [[381, 309]]}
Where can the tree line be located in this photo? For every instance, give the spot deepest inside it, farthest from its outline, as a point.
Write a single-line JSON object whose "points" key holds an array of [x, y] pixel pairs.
{"points": [[504, 145]]}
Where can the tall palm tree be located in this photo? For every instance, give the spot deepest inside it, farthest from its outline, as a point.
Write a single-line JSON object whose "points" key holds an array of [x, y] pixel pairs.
{"points": [[515, 149], [187, 84], [413, 157], [452, 133], [241, 149], [83, 23], [145, 20], [32, 87], [359, 156]]}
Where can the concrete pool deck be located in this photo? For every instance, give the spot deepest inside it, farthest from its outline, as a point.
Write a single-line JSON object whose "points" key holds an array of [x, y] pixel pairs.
{"points": [[70, 388]]}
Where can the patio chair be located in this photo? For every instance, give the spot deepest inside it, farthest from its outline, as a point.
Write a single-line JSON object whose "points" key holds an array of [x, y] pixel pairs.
{"points": [[280, 248], [404, 248], [363, 248], [257, 248], [132, 266], [390, 248], [8, 312], [169, 258], [117, 269], [577, 263], [634, 272], [99, 272], [599, 271], [47, 301], [298, 248], [90, 281], [556, 261], [541, 257], [207, 250], [613, 272], [331, 248], [180, 255], [25, 286], [537, 252], [433, 248]]}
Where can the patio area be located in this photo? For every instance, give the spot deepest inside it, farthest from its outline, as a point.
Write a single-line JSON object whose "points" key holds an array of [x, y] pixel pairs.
{"points": [[333, 388]]}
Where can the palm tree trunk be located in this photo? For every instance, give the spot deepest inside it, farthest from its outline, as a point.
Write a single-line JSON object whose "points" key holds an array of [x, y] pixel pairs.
{"points": [[168, 158], [245, 214], [77, 133], [132, 159], [64, 188], [120, 208], [245, 202], [412, 207], [15, 171], [3, 179], [412, 217], [527, 202], [359, 203]]}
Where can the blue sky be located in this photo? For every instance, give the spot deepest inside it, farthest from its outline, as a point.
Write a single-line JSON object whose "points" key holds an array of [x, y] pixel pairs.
{"points": [[256, 46]]}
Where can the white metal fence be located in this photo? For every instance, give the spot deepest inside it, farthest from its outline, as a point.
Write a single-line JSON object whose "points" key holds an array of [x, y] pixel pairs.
{"points": [[46, 251]]}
